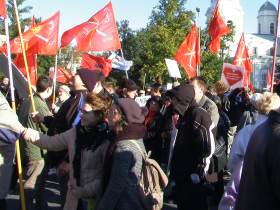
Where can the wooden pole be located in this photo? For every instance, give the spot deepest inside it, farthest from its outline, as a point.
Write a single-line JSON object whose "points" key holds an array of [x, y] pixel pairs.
{"points": [[12, 89], [24, 57], [54, 78], [125, 71], [275, 48]]}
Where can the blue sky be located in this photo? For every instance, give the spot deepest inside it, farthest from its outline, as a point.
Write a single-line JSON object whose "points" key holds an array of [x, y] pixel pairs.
{"points": [[74, 12]]}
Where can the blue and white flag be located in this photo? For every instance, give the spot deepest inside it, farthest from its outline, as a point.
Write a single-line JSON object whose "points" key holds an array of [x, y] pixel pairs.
{"points": [[120, 63]]}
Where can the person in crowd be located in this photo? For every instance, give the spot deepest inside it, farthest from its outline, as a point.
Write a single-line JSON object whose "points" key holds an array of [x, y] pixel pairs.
{"points": [[148, 91], [193, 149], [33, 155], [5, 86], [86, 144], [259, 184], [110, 87], [123, 164], [129, 89], [68, 116], [63, 93], [264, 104], [155, 90], [6, 91], [250, 115], [10, 130], [202, 100], [141, 93], [221, 88], [153, 122]]}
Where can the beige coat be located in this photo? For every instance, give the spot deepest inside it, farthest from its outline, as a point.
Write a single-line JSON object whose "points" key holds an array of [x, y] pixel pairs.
{"points": [[91, 165]]}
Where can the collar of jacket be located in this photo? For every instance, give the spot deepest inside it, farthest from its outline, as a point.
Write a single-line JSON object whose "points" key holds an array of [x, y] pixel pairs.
{"points": [[202, 101]]}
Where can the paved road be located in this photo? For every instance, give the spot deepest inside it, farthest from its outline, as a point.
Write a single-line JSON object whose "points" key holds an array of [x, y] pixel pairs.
{"points": [[52, 196]]}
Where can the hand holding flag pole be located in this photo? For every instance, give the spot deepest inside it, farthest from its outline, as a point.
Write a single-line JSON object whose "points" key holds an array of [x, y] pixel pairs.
{"points": [[3, 13]]}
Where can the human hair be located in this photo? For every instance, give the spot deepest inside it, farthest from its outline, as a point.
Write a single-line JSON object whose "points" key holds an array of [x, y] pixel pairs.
{"points": [[268, 101], [200, 82], [43, 83], [100, 104], [221, 87]]}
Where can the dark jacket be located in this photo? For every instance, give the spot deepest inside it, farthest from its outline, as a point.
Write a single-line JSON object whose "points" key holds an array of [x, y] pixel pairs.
{"points": [[152, 139], [260, 183], [192, 143]]}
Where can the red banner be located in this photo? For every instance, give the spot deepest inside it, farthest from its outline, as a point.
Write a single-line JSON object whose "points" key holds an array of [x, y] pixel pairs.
{"points": [[99, 33]]}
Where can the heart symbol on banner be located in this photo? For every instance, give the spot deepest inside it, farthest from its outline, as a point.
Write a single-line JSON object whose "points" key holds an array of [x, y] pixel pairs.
{"points": [[232, 76]]}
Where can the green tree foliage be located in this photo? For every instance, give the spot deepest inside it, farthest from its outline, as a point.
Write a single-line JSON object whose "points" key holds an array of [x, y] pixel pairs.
{"points": [[167, 28]]}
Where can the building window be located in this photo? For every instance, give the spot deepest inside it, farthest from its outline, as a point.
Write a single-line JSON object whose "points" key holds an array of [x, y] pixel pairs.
{"points": [[271, 28], [259, 28]]}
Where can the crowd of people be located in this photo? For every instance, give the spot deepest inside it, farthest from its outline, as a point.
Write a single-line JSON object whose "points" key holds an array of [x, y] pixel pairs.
{"points": [[218, 146]]}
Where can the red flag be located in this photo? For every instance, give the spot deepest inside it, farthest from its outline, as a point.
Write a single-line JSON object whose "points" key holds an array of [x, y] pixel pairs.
{"points": [[99, 33], [62, 76], [32, 65], [41, 39], [97, 63], [217, 29], [188, 53], [242, 58], [268, 79], [3, 10]]}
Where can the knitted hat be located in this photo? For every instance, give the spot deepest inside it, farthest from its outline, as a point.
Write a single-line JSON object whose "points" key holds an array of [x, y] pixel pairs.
{"points": [[182, 97], [90, 77], [132, 111]]}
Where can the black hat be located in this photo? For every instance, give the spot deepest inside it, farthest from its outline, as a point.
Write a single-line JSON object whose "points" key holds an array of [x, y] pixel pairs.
{"points": [[130, 85], [90, 77], [182, 97], [132, 111]]}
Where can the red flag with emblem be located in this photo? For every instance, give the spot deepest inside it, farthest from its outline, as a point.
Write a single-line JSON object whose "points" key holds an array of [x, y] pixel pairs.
{"points": [[41, 39], [32, 66], [217, 29], [242, 58], [99, 33], [3, 10], [62, 76], [97, 63], [188, 53]]}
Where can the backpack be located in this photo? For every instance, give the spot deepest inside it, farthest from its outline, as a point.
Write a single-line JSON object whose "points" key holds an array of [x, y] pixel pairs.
{"points": [[152, 182]]}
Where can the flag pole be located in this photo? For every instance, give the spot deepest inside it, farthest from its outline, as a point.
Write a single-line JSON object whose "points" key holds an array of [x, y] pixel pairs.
{"points": [[275, 48], [123, 58], [24, 57], [54, 77], [12, 89], [198, 65]]}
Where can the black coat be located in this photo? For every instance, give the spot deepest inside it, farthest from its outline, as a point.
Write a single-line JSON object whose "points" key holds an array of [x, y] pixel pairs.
{"points": [[193, 142], [260, 180]]}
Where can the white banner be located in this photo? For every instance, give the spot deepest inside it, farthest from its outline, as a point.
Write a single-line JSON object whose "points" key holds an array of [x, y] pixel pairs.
{"points": [[172, 67]]}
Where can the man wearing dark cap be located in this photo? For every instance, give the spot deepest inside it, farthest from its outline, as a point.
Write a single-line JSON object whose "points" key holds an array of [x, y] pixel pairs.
{"points": [[193, 147]]}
